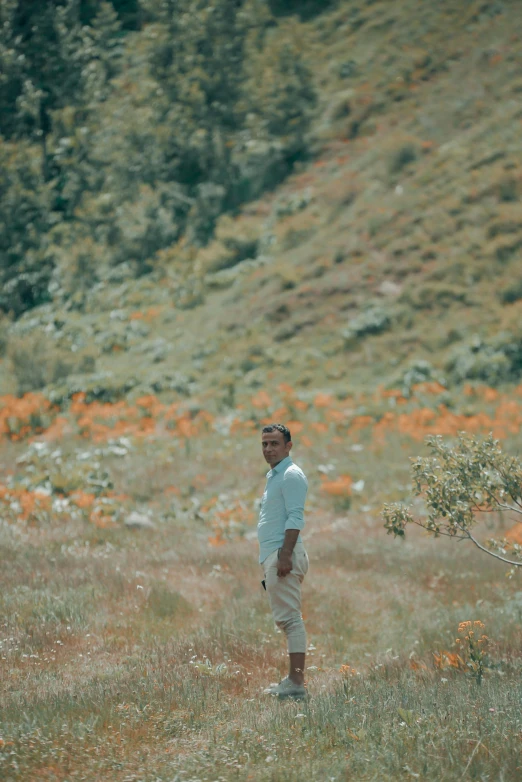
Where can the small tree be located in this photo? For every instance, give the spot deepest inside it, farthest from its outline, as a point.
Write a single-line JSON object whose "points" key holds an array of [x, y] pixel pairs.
{"points": [[459, 483], [281, 93], [25, 219], [43, 51], [107, 50]]}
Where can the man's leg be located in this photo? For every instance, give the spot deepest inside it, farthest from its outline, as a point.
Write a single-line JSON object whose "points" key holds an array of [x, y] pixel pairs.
{"points": [[284, 594], [297, 666]]}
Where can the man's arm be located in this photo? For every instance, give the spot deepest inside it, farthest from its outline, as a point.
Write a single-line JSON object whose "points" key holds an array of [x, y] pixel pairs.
{"points": [[284, 565], [294, 493]]}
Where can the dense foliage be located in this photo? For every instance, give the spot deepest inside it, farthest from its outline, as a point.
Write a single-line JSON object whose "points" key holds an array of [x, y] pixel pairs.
{"points": [[127, 126]]}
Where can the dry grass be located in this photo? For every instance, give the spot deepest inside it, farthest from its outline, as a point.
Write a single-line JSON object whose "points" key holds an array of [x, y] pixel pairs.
{"points": [[142, 655]]}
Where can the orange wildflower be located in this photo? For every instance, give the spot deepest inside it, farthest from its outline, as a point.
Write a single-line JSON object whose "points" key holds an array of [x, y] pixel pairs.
{"points": [[336, 416], [217, 540], [29, 502], [490, 394], [20, 417], [361, 422], [150, 403], [261, 399], [101, 520], [57, 429], [280, 414], [391, 393], [185, 427], [295, 426], [514, 534], [323, 400], [319, 427], [444, 660], [173, 490], [340, 487], [83, 499], [238, 426], [286, 389]]}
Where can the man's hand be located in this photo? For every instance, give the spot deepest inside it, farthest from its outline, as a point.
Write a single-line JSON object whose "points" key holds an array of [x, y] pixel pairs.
{"points": [[284, 563]]}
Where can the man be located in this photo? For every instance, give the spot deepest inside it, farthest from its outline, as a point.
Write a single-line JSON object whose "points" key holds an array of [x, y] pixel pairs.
{"points": [[282, 554]]}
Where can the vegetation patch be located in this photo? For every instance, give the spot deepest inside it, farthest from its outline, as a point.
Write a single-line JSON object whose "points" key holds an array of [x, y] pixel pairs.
{"points": [[495, 361]]}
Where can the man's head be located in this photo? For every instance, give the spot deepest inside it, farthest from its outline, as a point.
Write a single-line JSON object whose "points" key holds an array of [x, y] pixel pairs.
{"points": [[276, 442]]}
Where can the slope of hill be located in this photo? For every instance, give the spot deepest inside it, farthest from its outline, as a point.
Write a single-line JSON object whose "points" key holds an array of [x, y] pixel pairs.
{"points": [[398, 245]]}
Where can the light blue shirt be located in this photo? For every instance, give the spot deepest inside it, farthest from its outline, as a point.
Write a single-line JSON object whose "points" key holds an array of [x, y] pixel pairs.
{"points": [[282, 506]]}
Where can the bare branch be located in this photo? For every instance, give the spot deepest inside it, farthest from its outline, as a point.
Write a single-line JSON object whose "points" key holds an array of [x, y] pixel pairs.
{"points": [[515, 510], [505, 506], [491, 553], [484, 510], [438, 532]]}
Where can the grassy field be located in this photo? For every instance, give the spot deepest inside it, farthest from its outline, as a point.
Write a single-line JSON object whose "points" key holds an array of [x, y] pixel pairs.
{"points": [[370, 300], [141, 654]]}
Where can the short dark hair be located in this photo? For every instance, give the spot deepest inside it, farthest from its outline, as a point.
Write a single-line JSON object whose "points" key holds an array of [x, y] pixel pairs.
{"points": [[279, 428]]}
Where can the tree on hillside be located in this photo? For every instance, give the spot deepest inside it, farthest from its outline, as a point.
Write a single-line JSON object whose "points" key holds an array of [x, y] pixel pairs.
{"points": [[304, 8], [459, 483], [48, 59], [25, 220], [106, 35], [130, 12], [199, 64], [220, 70], [53, 73], [284, 94], [43, 53], [203, 110]]}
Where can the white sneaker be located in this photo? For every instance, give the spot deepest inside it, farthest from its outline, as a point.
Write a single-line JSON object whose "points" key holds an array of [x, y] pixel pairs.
{"points": [[287, 689]]}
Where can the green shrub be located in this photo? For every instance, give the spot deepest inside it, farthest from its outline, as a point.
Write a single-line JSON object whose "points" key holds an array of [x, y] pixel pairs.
{"points": [[511, 293], [4, 336], [236, 240], [401, 157], [495, 361], [509, 189], [292, 203], [295, 237], [419, 371], [25, 219], [103, 387], [306, 9], [282, 96], [36, 362], [434, 295], [374, 320]]}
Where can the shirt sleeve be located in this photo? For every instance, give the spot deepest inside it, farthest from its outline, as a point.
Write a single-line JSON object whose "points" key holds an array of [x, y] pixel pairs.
{"points": [[294, 488]]}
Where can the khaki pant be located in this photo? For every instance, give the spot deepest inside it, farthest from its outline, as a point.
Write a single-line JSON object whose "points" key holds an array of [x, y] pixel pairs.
{"points": [[284, 595]]}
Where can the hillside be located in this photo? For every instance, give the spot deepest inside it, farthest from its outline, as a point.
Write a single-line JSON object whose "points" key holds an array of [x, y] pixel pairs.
{"points": [[398, 242]]}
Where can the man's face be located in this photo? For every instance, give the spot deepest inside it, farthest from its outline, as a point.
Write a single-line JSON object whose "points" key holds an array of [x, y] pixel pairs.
{"points": [[274, 447]]}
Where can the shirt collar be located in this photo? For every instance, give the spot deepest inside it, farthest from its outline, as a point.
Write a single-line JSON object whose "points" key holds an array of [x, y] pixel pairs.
{"points": [[283, 464]]}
